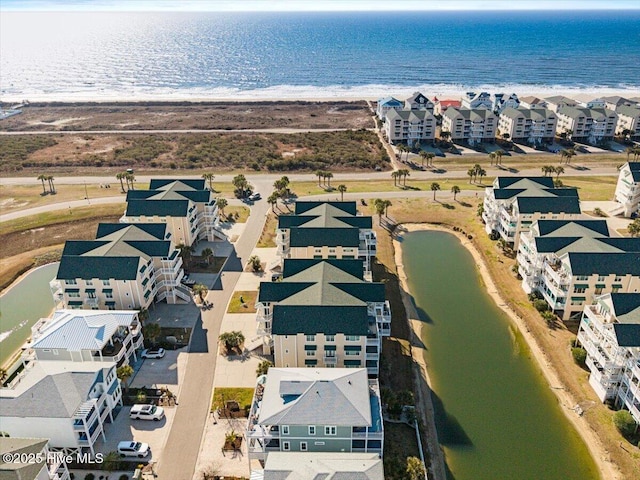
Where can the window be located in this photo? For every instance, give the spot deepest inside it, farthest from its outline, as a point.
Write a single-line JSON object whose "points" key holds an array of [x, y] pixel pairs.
{"points": [[329, 338], [285, 429], [70, 282], [303, 446], [312, 429], [579, 290], [601, 278], [286, 446], [89, 282], [311, 353], [330, 430], [351, 353], [352, 338], [106, 283], [618, 279], [311, 338]]}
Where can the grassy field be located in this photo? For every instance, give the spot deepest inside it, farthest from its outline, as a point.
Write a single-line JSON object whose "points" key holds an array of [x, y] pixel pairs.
{"points": [[243, 396], [553, 341], [238, 213], [589, 188], [248, 304]]}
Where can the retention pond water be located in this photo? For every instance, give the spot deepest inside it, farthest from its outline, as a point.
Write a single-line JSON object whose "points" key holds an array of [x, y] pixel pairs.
{"points": [[496, 416], [22, 306]]}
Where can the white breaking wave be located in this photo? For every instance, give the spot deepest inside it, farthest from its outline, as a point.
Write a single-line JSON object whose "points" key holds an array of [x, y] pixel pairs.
{"points": [[297, 92], [4, 335]]}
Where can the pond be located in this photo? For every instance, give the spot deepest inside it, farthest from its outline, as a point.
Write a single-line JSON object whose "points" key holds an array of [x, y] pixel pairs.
{"points": [[496, 416]]}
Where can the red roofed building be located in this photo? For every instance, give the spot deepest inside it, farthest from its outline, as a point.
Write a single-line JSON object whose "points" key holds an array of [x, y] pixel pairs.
{"points": [[442, 105]]}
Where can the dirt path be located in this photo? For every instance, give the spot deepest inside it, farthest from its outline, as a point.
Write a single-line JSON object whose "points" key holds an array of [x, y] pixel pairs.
{"points": [[608, 470]]}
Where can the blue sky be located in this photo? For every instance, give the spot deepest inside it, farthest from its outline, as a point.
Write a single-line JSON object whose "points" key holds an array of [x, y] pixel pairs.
{"points": [[315, 5]]}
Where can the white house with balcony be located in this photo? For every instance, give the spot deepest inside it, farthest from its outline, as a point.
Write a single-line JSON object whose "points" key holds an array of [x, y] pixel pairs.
{"points": [[327, 230], [472, 126], [315, 410], [628, 189], [476, 101], [88, 336], [557, 102], [610, 333], [127, 267], [512, 204], [187, 207], [40, 463], [532, 103], [418, 101], [386, 104], [324, 314], [69, 403], [502, 102]]}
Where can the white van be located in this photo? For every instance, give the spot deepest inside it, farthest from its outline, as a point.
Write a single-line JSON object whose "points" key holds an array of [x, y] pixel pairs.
{"points": [[146, 412], [133, 449]]}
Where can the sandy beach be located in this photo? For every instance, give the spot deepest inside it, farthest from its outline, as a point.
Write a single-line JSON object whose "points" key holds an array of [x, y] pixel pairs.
{"points": [[608, 470]]}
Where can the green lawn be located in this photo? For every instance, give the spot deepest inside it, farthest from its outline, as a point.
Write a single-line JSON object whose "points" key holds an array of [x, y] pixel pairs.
{"points": [[243, 396], [249, 305]]}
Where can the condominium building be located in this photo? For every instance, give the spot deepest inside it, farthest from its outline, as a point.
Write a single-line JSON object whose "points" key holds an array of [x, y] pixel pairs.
{"points": [[67, 402], [315, 410], [593, 125], [595, 103], [418, 101], [532, 103], [127, 267], [557, 102], [613, 102], [471, 126], [386, 104], [628, 189], [545, 246], [327, 230], [533, 126], [410, 126], [628, 120], [185, 205], [610, 333], [513, 204], [324, 314], [441, 106], [474, 101], [321, 465], [88, 336], [35, 462]]}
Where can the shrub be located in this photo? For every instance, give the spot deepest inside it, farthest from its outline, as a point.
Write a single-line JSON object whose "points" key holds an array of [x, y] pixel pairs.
{"points": [[625, 423], [89, 476], [579, 355], [124, 477], [549, 316], [540, 305]]}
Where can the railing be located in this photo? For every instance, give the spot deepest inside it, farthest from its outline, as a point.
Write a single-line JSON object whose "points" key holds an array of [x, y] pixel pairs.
{"points": [[330, 360]]}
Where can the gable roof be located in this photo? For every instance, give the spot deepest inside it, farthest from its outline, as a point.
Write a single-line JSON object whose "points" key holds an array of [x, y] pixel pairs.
{"points": [[330, 237], [523, 182], [153, 231], [626, 307], [390, 102], [328, 396], [171, 208], [573, 228], [117, 268], [604, 263], [634, 167], [348, 208], [548, 204], [329, 320], [410, 115], [561, 245], [181, 183], [296, 265]]}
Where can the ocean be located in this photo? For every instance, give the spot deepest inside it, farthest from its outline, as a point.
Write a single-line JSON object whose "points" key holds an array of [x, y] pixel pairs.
{"points": [[127, 56]]}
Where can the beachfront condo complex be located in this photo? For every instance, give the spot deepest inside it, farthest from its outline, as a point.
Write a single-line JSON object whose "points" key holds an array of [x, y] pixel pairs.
{"points": [[472, 126], [589, 125], [410, 126], [533, 126], [628, 189]]}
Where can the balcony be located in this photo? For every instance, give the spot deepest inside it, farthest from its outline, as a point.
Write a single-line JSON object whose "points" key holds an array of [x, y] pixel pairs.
{"points": [[330, 360]]}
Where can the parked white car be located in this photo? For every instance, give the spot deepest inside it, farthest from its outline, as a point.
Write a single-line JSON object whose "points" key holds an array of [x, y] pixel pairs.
{"points": [[146, 412], [133, 449], [153, 353]]}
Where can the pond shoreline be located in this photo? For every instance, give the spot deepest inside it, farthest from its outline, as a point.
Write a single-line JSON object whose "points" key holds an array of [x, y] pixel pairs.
{"points": [[597, 450]]}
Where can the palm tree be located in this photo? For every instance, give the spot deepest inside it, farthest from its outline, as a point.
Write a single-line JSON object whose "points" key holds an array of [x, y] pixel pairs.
{"points": [[482, 172], [185, 252], [342, 188], [209, 177], [434, 188], [273, 201], [471, 172], [207, 253], [492, 157], [380, 207], [319, 174], [558, 171], [221, 203], [430, 157], [263, 367], [499, 154], [51, 187], [404, 173], [241, 184], [455, 190], [395, 174], [545, 169], [423, 157], [200, 290], [42, 178], [152, 331], [634, 228], [387, 204], [124, 373], [120, 176], [570, 153], [256, 264], [329, 176], [476, 170], [130, 178], [231, 340]]}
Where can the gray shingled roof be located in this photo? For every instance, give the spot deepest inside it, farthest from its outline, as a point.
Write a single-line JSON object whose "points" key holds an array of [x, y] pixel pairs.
{"points": [[410, 115], [20, 470], [302, 207], [171, 208], [573, 228], [473, 115], [117, 268], [604, 263], [330, 237], [180, 183], [548, 204], [627, 334], [635, 170], [524, 182], [336, 396], [156, 231], [626, 307], [539, 114]]}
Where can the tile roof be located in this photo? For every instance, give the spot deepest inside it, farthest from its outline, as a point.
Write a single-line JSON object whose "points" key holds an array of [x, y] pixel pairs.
{"points": [[334, 396]]}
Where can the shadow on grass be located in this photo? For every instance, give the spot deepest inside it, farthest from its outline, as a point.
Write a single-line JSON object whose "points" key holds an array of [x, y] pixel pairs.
{"points": [[448, 206], [465, 204], [580, 168]]}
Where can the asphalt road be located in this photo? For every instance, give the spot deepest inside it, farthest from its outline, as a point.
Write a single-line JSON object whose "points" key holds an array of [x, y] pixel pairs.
{"points": [[183, 444]]}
